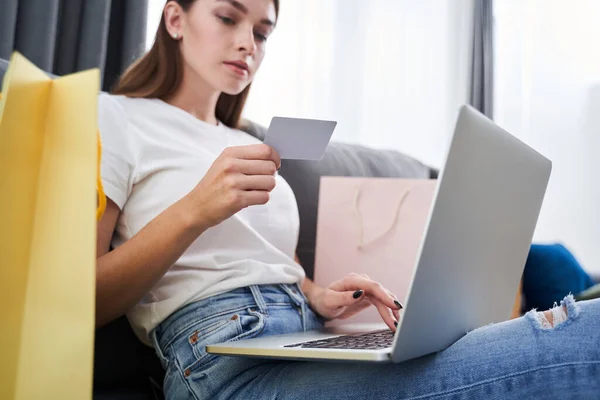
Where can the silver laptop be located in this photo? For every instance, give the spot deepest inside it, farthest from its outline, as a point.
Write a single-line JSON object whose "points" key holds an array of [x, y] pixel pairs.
{"points": [[471, 259]]}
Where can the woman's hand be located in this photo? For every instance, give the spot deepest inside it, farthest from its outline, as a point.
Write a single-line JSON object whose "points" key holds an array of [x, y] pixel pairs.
{"points": [[241, 176], [352, 294]]}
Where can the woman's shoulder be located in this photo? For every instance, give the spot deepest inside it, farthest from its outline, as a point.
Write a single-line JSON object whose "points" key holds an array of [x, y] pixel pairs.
{"points": [[119, 112], [119, 103], [110, 107], [113, 123]]}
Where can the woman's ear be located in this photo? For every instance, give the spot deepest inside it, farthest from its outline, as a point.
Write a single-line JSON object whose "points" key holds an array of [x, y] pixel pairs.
{"points": [[174, 21]]}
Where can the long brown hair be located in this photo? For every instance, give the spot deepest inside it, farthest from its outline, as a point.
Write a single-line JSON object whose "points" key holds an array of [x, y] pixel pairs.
{"points": [[158, 73]]}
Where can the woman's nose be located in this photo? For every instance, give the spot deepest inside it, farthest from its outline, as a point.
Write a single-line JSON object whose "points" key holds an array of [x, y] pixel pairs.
{"points": [[246, 40]]}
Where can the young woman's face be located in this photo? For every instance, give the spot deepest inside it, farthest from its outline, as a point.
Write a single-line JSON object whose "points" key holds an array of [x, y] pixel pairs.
{"points": [[223, 41]]}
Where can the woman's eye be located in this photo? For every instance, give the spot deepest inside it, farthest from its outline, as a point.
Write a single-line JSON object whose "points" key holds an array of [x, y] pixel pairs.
{"points": [[260, 37], [227, 20]]}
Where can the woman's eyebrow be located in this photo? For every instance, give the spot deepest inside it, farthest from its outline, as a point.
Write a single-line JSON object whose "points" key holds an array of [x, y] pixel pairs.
{"points": [[242, 8]]}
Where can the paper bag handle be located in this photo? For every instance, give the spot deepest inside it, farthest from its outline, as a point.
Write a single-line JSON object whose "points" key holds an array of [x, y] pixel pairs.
{"points": [[101, 196], [361, 240]]}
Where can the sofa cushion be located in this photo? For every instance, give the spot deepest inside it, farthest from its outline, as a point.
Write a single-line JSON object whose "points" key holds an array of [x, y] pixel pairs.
{"points": [[551, 273]]}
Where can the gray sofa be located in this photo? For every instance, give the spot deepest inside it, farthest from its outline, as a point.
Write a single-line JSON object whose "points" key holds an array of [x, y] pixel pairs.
{"points": [[126, 369]]}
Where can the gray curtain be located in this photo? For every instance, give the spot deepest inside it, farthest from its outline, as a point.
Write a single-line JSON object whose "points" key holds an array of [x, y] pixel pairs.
{"points": [[65, 36], [482, 66]]}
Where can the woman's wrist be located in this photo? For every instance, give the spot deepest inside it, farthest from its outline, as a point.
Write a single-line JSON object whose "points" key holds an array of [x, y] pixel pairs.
{"points": [[194, 221], [312, 291]]}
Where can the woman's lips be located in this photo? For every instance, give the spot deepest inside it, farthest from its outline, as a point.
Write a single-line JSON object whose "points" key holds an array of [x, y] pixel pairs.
{"points": [[237, 69]]}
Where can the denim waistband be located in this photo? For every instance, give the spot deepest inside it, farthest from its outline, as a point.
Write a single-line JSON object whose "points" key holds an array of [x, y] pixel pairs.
{"points": [[255, 296]]}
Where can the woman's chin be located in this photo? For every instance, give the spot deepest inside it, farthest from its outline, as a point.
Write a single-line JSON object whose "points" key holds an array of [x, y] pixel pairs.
{"points": [[234, 86], [234, 89]]}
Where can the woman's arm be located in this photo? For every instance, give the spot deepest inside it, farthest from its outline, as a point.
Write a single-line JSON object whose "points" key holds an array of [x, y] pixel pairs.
{"points": [[240, 177], [310, 289], [125, 274], [308, 286]]}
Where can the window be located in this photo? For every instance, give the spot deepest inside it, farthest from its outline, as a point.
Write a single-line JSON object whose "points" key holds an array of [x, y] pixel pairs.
{"points": [[547, 92]]}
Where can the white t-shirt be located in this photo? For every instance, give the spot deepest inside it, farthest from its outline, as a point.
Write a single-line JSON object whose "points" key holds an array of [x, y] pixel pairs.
{"points": [[153, 155]]}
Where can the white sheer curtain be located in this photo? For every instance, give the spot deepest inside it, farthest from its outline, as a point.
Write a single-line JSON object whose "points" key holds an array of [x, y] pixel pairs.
{"points": [[155, 8], [547, 92], [391, 72]]}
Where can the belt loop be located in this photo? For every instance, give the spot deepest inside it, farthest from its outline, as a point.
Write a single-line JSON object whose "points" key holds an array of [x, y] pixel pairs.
{"points": [[301, 293], [295, 294], [305, 316], [305, 307], [259, 299]]}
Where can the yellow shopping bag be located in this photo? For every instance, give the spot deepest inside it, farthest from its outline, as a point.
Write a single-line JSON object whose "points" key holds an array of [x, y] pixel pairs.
{"points": [[48, 174]]}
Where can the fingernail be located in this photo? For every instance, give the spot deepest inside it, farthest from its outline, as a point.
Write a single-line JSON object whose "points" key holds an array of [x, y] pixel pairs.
{"points": [[397, 303], [357, 294], [278, 168], [395, 324]]}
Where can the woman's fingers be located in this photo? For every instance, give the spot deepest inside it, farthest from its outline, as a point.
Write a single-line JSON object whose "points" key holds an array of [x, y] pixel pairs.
{"points": [[335, 299], [255, 152], [384, 301], [256, 167], [396, 314], [385, 313], [395, 311], [256, 182], [355, 309], [372, 288], [255, 197]]}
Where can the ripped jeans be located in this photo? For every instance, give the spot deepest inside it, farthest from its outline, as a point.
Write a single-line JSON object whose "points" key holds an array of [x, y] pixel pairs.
{"points": [[524, 358]]}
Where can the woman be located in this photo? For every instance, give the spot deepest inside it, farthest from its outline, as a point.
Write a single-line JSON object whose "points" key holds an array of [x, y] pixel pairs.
{"points": [[204, 232]]}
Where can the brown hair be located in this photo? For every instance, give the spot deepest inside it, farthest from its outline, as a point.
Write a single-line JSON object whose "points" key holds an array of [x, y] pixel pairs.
{"points": [[157, 74]]}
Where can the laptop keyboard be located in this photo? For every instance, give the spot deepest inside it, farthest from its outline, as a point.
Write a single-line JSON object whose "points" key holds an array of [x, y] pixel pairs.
{"points": [[366, 341]]}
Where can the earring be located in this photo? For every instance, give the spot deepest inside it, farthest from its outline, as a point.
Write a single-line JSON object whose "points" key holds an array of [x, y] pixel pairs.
{"points": [[175, 36]]}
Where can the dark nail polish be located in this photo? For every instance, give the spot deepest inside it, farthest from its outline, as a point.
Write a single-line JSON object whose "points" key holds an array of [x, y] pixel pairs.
{"points": [[357, 294], [395, 324], [397, 303]]}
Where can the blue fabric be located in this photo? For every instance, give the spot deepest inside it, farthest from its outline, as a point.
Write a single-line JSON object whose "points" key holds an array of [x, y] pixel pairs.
{"points": [[552, 272], [516, 359]]}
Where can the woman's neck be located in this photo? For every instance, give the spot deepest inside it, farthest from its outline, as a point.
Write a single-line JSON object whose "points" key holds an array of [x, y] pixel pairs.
{"points": [[195, 96]]}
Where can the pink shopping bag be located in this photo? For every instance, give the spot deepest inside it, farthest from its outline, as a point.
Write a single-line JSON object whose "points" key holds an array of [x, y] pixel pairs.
{"points": [[371, 226]]}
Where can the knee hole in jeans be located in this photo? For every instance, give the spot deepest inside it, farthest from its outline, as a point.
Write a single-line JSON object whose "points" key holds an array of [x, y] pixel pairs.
{"points": [[566, 312], [552, 318]]}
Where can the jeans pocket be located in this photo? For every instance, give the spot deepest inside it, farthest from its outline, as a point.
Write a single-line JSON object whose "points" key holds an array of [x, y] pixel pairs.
{"points": [[218, 331], [241, 325], [252, 323]]}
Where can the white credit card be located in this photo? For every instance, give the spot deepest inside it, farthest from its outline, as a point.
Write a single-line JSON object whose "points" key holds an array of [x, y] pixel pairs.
{"points": [[298, 138]]}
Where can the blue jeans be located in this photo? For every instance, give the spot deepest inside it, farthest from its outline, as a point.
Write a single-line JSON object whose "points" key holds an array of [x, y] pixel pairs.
{"points": [[516, 359]]}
